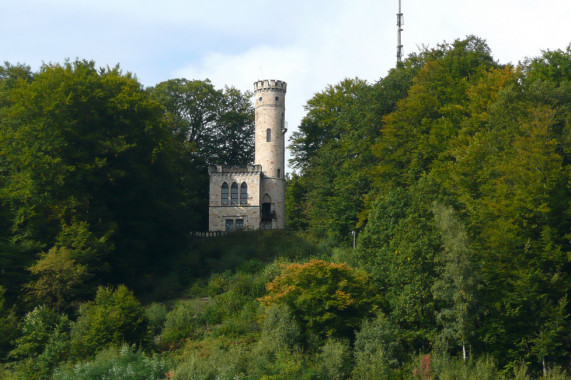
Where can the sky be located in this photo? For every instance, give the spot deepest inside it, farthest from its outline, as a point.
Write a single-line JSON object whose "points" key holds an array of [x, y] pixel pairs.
{"points": [[307, 43]]}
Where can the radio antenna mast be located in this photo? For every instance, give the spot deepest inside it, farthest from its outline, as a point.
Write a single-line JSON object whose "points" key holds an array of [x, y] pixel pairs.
{"points": [[400, 23]]}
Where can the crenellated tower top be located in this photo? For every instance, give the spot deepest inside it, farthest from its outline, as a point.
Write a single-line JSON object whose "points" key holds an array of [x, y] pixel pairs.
{"points": [[270, 85]]}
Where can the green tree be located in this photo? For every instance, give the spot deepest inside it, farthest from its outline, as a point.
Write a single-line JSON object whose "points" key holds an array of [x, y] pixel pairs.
{"points": [[456, 283], [216, 125], [44, 342], [398, 246], [418, 131], [113, 318], [57, 279]]}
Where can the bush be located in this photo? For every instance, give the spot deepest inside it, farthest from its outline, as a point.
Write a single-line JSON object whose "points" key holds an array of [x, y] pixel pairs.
{"points": [[156, 314], [122, 364], [280, 329], [218, 364], [114, 318], [334, 360], [443, 366], [218, 284], [327, 299], [58, 279], [376, 349], [182, 322], [43, 343], [8, 326]]}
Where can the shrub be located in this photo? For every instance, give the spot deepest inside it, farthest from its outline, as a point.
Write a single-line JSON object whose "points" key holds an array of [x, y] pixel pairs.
{"points": [[376, 349], [43, 343], [111, 363], [280, 329], [115, 317], [218, 364], [443, 366], [327, 299], [182, 321], [58, 279], [218, 284], [8, 326], [334, 359], [156, 314]]}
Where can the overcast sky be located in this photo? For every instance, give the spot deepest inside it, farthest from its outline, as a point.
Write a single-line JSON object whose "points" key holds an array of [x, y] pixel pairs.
{"points": [[307, 43]]}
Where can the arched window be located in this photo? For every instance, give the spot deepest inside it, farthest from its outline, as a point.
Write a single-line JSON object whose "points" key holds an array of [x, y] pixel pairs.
{"points": [[268, 135], [234, 193], [243, 193], [224, 193]]}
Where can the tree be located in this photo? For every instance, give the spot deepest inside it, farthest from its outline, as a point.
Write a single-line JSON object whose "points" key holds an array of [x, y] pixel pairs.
{"points": [[326, 299], [44, 342], [456, 283], [58, 278], [217, 125], [113, 318]]}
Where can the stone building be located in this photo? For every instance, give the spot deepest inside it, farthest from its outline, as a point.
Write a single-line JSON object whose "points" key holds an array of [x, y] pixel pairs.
{"points": [[253, 197]]}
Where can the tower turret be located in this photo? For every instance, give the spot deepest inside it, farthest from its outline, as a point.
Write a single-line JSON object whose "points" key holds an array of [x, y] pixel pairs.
{"points": [[270, 126], [270, 149]]}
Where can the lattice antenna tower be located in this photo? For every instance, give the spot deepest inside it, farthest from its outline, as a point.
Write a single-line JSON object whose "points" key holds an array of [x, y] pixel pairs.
{"points": [[400, 23]]}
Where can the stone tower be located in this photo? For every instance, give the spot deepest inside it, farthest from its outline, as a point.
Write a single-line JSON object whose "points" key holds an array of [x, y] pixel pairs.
{"points": [[270, 150]]}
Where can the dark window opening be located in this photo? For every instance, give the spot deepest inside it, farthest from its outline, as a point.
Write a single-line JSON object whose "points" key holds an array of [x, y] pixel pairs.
{"points": [[243, 194], [239, 224], [234, 194], [224, 193], [229, 225], [268, 135], [279, 173], [266, 212]]}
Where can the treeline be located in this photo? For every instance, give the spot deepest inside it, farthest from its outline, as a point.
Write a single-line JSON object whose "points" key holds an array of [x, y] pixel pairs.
{"points": [[453, 171]]}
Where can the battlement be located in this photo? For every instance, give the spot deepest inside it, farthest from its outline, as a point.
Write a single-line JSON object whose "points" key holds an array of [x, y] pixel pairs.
{"points": [[248, 169], [270, 85]]}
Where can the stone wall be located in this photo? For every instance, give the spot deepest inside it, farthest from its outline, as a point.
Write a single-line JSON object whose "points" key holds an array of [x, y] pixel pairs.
{"points": [[249, 213]]}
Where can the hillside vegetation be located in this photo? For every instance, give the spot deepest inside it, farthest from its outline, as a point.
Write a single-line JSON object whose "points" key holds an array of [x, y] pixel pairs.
{"points": [[450, 175]]}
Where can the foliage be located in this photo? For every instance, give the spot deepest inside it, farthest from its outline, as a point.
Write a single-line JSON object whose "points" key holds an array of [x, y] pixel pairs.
{"points": [[44, 342], [112, 363], [456, 284], [182, 322], [219, 364], [57, 278], [216, 125], [326, 299], [113, 318], [398, 247], [377, 351], [8, 326], [87, 148], [334, 359], [156, 315]]}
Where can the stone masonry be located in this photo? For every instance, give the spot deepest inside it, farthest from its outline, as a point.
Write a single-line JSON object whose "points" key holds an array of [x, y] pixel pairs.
{"points": [[262, 205]]}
